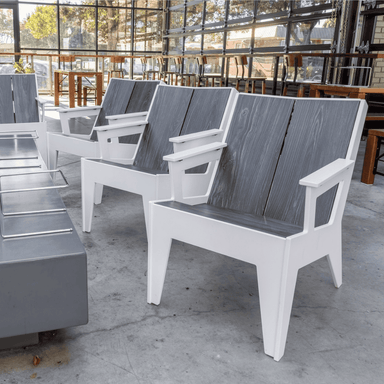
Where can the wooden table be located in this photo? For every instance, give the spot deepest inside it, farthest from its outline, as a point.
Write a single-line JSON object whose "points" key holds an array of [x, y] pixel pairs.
{"points": [[374, 136], [72, 85]]}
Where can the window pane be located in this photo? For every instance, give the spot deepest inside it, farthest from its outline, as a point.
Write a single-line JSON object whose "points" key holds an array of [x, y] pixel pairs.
{"points": [[194, 15], [239, 39], [176, 19], [215, 11], [213, 41], [239, 9], [175, 45], [193, 42], [115, 3], [274, 6], [148, 30], [7, 41], [176, 2], [310, 3], [312, 32], [271, 36], [264, 66], [114, 29], [147, 3], [41, 1], [78, 2], [77, 28], [38, 26]]}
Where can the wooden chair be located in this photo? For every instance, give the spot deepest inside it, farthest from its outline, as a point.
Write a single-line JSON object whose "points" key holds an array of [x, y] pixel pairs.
{"points": [[175, 111], [295, 61], [152, 73], [121, 97], [21, 108], [242, 62], [206, 79], [372, 155], [171, 77], [273, 202], [113, 71]]}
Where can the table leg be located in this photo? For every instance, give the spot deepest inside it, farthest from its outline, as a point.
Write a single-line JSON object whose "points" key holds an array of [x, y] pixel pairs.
{"points": [[72, 90], [79, 87], [367, 175], [57, 86], [99, 83], [263, 88]]}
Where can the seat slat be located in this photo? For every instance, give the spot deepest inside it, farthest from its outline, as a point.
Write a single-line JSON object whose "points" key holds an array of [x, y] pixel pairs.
{"points": [[167, 116], [25, 93], [247, 165], [6, 100], [311, 143]]}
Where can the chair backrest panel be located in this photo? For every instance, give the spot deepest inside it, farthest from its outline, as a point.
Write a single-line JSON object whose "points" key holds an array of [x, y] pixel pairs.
{"points": [[165, 120], [6, 100], [24, 98], [311, 143], [248, 163], [142, 96], [206, 111], [115, 101]]}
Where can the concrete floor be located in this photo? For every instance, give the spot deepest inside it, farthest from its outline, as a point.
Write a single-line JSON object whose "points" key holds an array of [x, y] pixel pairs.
{"points": [[207, 328]]}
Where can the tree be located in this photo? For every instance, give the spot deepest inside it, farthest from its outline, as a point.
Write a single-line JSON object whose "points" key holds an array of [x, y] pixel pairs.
{"points": [[42, 23]]}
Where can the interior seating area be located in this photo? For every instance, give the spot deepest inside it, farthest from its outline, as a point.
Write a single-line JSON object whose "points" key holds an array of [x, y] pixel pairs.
{"points": [[191, 192]]}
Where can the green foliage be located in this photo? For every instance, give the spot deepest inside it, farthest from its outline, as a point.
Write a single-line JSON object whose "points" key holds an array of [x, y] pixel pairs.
{"points": [[42, 23], [20, 67]]}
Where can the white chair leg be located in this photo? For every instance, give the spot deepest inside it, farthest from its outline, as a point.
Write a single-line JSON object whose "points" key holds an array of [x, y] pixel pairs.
{"points": [[159, 246], [335, 260], [53, 156], [87, 195], [276, 291], [98, 193]]}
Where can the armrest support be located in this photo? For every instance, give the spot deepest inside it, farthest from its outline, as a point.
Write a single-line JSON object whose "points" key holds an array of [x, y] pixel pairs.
{"points": [[70, 113], [338, 172], [185, 142], [181, 161]]}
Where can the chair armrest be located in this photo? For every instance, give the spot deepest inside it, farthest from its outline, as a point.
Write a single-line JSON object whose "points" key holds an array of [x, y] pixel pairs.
{"points": [[70, 113], [41, 103], [185, 142], [41, 100], [181, 161], [338, 172], [127, 117]]}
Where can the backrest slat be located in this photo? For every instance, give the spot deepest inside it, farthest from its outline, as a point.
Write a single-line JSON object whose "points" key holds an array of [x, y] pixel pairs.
{"points": [[319, 133], [164, 121], [205, 112], [6, 100], [247, 165], [140, 101], [25, 93], [115, 101]]}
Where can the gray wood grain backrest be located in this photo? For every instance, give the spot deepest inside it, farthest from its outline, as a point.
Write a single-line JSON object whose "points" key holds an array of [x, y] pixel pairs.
{"points": [[206, 111], [247, 165], [115, 101], [319, 133], [140, 101], [24, 98], [6, 100], [165, 120]]}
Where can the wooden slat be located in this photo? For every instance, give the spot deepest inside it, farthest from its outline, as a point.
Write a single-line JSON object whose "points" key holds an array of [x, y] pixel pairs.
{"points": [[319, 133], [25, 93], [205, 112], [165, 120], [6, 100], [260, 223], [247, 166], [140, 101], [115, 101]]}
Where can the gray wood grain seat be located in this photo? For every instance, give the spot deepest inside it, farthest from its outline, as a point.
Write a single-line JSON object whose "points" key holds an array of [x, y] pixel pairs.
{"points": [[18, 102], [257, 182]]}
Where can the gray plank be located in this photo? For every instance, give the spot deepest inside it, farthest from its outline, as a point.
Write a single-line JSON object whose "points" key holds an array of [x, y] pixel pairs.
{"points": [[259, 223], [205, 112], [140, 101], [115, 101], [6, 100], [319, 133], [25, 93], [165, 120], [247, 165]]}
